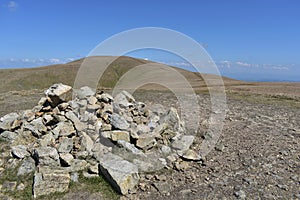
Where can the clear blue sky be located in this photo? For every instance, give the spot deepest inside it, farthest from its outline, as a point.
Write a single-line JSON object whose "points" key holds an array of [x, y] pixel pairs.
{"points": [[250, 39]]}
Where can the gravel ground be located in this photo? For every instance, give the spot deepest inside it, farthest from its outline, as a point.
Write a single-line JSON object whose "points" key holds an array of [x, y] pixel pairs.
{"points": [[256, 157]]}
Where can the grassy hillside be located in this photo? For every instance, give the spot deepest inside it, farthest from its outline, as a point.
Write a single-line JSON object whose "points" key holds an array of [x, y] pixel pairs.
{"points": [[43, 77]]}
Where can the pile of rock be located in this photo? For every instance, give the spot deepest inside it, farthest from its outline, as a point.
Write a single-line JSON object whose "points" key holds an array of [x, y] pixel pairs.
{"points": [[93, 134]]}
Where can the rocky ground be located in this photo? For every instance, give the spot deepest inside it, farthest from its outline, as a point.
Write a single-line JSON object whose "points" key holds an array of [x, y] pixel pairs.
{"points": [[257, 156]]}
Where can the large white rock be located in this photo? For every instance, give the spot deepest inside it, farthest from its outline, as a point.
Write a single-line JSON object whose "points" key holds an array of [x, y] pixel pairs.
{"points": [[121, 174], [58, 93], [58, 89]]}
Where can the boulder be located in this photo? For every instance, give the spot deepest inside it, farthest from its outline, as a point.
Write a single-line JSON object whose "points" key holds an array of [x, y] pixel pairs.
{"points": [[77, 123], [121, 174], [93, 168], [7, 120], [149, 163], [46, 156], [191, 155], [8, 136], [66, 159], [58, 93], [49, 120], [27, 166], [63, 129], [65, 145], [77, 165], [36, 127], [20, 151], [166, 150], [86, 142], [24, 138], [50, 181], [91, 100], [124, 99], [16, 124], [118, 122], [145, 141], [173, 122], [84, 92], [183, 144], [47, 140], [130, 147], [28, 115], [119, 135]]}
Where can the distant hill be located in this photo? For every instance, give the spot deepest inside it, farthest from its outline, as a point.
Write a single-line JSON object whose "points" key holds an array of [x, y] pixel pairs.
{"points": [[43, 77]]}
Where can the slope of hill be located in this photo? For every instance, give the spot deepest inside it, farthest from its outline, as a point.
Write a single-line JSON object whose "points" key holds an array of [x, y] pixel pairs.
{"points": [[43, 77]]}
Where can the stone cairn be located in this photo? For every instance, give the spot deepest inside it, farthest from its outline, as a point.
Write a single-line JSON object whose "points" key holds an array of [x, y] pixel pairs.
{"points": [[93, 134]]}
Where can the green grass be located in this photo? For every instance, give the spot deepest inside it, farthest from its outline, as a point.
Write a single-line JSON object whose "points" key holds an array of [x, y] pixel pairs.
{"points": [[94, 185], [91, 185], [1, 141], [277, 100], [10, 175]]}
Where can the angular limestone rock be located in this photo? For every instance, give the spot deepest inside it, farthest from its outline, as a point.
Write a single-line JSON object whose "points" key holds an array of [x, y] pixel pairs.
{"points": [[118, 122], [49, 181], [8, 136], [36, 127], [191, 155], [66, 159], [58, 93], [122, 174], [86, 142], [65, 146], [20, 151], [77, 123], [120, 135], [64, 129], [130, 147], [46, 156], [124, 99], [146, 141], [26, 167], [7, 121], [106, 98], [183, 144]]}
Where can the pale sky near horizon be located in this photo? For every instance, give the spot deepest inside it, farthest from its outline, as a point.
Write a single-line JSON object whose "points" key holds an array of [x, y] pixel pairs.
{"points": [[249, 40]]}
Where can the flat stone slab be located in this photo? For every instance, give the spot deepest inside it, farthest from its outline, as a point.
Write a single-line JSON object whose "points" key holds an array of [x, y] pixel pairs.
{"points": [[50, 181], [121, 174]]}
